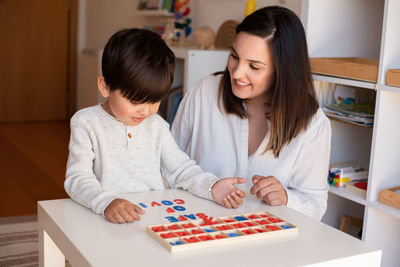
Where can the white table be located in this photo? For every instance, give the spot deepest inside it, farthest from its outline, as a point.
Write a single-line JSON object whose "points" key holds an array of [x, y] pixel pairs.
{"points": [[87, 239]]}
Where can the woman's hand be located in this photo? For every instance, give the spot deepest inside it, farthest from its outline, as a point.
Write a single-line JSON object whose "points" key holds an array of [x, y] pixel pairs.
{"points": [[225, 193], [122, 211], [269, 189]]}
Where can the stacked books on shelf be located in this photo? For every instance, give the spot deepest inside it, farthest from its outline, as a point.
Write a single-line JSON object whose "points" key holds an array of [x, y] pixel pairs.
{"points": [[360, 114]]}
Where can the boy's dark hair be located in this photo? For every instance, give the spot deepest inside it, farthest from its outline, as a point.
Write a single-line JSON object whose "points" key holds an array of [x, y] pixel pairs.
{"points": [[293, 102], [139, 64]]}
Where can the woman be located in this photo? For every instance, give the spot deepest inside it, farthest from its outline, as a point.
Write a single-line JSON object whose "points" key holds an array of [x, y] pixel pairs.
{"points": [[259, 118]]}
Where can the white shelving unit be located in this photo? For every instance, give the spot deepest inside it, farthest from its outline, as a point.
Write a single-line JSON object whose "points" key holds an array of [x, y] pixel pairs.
{"points": [[369, 29], [198, 63]]}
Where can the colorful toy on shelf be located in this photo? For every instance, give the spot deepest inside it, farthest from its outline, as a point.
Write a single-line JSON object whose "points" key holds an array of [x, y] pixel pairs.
{"points": [[344, 172], [209, 231], [181, 11], [348, 100], [142, 4], [251, 6]]}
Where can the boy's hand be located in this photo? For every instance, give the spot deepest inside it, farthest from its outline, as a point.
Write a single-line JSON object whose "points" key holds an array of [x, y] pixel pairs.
{"points": [[269, 189], [122, 211], [225, 193]]}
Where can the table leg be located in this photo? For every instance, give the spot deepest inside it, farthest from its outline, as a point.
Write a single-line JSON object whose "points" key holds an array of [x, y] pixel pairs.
{"points": [[49, 254]]}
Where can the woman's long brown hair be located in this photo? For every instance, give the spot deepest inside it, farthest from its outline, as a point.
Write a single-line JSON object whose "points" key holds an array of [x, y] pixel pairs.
{"points": [[293, 102]]}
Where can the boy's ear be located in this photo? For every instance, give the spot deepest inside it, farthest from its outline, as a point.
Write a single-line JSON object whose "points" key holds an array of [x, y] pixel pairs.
{"points": [[102, 86]]}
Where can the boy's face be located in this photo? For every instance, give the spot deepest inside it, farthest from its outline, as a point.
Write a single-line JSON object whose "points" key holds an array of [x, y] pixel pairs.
{"points": [[124, 110]]}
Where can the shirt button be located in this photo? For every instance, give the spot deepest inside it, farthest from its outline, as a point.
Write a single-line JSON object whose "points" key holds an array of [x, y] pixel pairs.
{"points": [[129, 135]]}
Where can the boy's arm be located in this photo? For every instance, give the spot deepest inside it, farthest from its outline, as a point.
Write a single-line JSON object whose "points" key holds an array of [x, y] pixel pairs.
{"points": [[182, 172], [81, 184]]}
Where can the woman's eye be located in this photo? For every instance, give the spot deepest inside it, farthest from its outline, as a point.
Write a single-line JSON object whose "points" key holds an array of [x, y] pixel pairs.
{"points": [[234, 56], [253, 67]]}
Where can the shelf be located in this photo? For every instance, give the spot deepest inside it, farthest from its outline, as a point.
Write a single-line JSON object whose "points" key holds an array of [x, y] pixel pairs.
{"points": [[388, 88], [349, 122], [156, 12], [353, 196], [385, 208], [356, 83], [346, 193], [343, 81]]}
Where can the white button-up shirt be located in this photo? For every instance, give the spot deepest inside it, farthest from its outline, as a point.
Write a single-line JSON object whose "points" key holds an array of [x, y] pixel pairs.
{"points": [[218, 142]]}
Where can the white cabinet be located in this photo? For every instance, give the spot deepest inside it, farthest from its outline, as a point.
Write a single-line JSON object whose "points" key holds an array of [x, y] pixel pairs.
{"points": [[196, 63], [368, 29]]}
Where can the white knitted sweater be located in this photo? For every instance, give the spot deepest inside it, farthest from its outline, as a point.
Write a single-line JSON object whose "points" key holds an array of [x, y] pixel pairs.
{"points": [[107, 157]]}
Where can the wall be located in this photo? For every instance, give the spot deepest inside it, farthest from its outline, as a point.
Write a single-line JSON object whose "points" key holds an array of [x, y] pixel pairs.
{"points": [[99, 19], [214, 12]]}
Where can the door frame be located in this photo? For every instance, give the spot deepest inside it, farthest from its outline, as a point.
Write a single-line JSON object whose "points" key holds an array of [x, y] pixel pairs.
{"points": [[72, 58]]}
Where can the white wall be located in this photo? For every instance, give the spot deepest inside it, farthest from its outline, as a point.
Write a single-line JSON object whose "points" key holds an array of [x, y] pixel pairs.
{"points": [[214, 12], [99, 19]]}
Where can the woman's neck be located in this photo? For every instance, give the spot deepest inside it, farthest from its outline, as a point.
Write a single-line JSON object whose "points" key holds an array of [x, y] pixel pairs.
{"points": [[256, 106]]}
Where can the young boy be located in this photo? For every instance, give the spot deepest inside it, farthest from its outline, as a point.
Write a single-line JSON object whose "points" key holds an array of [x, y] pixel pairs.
{"points": [[122, 145]]}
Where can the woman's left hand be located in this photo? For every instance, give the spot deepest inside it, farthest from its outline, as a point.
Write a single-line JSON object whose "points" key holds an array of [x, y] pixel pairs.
{"points": [[269, 189]]}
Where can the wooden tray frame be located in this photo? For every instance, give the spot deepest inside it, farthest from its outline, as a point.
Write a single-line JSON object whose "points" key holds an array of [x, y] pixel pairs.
{"points": [[363, 69], [393, 77], [220, 222], [390, 197]]}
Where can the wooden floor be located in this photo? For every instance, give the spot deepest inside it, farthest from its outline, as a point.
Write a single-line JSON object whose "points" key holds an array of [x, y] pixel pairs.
{"points": [[33, 157]]}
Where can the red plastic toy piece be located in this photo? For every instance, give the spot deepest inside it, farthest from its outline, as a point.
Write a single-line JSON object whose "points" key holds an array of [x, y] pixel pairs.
{"points": [[167, 235], [247, 232], [263, 222], [158, 228], [223, 227], [191, 239], [205, 237], [173, 227], [182, 233], [273, 227], [238, 225], [189, 225], [248, 223], [195, 231]]}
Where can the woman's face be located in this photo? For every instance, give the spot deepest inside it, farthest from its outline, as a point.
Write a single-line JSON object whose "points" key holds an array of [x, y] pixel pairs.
{"points": [[250, 66]]}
